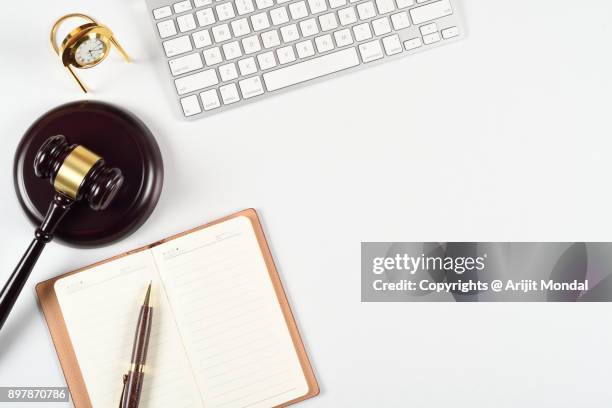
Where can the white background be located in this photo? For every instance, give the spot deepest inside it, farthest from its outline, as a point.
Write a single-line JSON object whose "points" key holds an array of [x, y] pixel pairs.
{"points": [[503, 136]]}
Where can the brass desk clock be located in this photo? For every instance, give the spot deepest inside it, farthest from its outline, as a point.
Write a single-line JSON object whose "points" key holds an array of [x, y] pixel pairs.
{"points": [[85, 46]]}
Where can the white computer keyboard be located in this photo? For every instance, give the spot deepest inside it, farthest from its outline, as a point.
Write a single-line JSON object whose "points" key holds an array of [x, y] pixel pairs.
{"points": [[224, 53]]}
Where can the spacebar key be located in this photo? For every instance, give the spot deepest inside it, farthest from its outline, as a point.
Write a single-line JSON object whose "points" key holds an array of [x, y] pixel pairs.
{"points": [[314, 68]]}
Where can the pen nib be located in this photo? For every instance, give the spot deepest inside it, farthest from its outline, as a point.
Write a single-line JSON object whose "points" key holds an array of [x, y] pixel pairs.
{"points": [[148, 295]]}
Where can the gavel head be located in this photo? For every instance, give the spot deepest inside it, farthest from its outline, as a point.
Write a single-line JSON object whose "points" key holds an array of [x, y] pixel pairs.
{"points": [[77, 172]]}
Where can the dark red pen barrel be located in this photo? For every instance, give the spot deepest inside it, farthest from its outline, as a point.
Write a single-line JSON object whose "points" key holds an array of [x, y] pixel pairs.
{"points": [[141, 339], [135, 376], [133, 389]]}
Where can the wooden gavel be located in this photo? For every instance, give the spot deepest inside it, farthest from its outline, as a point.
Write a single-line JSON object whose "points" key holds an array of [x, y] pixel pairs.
{"points": [[76, 174]]}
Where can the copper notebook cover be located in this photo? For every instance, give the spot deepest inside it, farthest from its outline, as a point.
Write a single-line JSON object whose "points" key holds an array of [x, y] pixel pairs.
{"points": [[59, 334]]}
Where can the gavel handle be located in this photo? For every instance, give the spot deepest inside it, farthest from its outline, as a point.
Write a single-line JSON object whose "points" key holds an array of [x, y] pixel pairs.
{"points": [[12, 288], [14, 285]]}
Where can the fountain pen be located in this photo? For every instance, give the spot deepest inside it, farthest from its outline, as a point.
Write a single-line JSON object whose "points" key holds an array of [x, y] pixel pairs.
{"points": [[132, 381]]}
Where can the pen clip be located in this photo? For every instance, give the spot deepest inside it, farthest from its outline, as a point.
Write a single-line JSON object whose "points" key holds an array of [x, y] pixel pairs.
{"points": [[125, 378]]}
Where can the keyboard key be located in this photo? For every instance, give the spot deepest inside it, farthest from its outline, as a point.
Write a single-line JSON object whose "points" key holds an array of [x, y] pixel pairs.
{"points": [[244, 6], [229, 94], [221, 33], [260, 21], [343, 37], [362, 32], [232, 50], [305, 49], [262, 4], [366, 10], [404, 3], [385, 6], [317, 6], [182, 6], [381, 26], [298, 10], [328, 21], [270, 39], [279, 15], [185, 64], [347, 16], [241, 27], [392, 44], [190, 105], [225, 11], [196, 81], [431, 11], [247, 66], [337, 3], [266, 60], [205, 17], [431, 38], [212, 56], [202, 3], [450, 32], [210, 99], [310, 69], [186, 22], [429, 29], [228, 72], [251, 44], [285, 55], [309, 27], [413, 44], [400, 20], [177, 46], [251, 87], [289, 33], [166, 28], [201, 38], [371, 51], [162, 12], [324, 43]]}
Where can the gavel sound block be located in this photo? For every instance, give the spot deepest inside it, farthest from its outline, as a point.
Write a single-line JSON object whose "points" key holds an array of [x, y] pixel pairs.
{"points": [[123, 141], [106, 207]]}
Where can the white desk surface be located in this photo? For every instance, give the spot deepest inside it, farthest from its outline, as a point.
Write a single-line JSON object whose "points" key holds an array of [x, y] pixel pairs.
{"points": [[504, 136]]}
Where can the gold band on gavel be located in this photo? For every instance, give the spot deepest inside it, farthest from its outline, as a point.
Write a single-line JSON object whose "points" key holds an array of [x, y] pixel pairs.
{"points": [[73, 171]]}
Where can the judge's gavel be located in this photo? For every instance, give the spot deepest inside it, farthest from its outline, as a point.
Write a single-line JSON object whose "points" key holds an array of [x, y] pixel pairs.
{"points": [[76, 174]]}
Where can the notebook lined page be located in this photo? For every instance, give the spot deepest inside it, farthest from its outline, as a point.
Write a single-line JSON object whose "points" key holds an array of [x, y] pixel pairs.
{"points": [[101, 307], [229, 317]]}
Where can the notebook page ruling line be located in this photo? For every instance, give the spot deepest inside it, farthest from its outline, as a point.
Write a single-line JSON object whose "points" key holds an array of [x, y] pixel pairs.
{"points": [[100, 307], [230, 318]]}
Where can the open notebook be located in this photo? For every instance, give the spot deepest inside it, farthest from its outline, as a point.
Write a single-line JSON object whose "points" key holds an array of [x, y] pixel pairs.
{"points": [[223, 334]]}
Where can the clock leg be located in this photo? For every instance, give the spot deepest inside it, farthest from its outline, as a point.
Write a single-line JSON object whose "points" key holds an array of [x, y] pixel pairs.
{"points": [[76, 78], [120, 49]]}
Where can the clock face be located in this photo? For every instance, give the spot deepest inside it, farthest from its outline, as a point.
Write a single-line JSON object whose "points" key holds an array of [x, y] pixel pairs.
{"points": [[90, 51]]}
